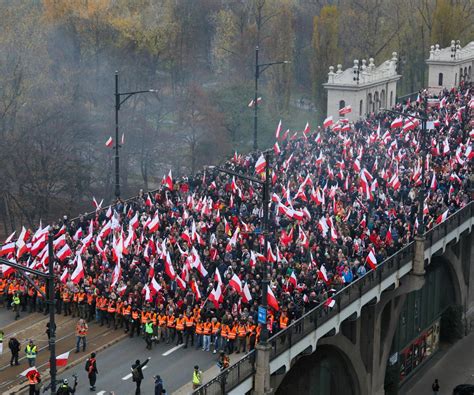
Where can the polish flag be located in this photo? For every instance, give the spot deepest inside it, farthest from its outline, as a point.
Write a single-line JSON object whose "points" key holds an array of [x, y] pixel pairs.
{"points": [[134, 221], [169, 181], [442, 217], [117, 273], [252, 102], [278, 130], [261, 164], [246, 296], [78, 272], [97, 206], [64, 252], [323, 274], [271, 257], [155, 287], [216, 296], [317, 140], [169, 269], [307, 129], [371, 260], [271, 300], [328, 122], [154, 224], [345, 110], [64, 276], [29, 371], [10, 238], [388, 235], [330, 302], [236, 284], [181, 283], [434, 184], [109, 142], [292, 279], [8, 248], [276, 148], [397, 123], [61, 360], [195, 289]]}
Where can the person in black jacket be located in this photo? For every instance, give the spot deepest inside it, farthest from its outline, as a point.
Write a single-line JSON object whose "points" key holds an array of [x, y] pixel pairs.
{"points": [[14, 346], [137, 373], [158, 385], [91, 369]]}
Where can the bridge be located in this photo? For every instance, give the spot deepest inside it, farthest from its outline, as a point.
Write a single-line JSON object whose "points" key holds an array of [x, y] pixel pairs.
{"points": [[360, 328]]}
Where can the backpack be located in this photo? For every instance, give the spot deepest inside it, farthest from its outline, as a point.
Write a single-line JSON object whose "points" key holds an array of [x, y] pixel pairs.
{"points": [[135, 374], [88, 364]]}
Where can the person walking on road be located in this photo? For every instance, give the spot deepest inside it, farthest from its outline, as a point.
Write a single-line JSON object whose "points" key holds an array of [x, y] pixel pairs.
{"points": [[158, 385], [137, 373], [14, 346], [64, 388], [197, 377], [435, 387], [148, 334], [92, 372], [31, 351], [81, 334]]}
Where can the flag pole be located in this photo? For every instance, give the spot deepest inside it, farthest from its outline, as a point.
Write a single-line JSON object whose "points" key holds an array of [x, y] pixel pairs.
{"points": [[52, 325]]}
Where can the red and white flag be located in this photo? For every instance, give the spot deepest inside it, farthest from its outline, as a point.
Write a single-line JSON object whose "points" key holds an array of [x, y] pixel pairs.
{"points": [[345, 110], [330, 302], [64, 276], [169, 181], [371, 260], [261, 164], [246, 296], [216, 296], [278, 130], [78, 272], [109, 142], [397, 123], [328, 122], [61, 360], [442, 217], [29, 371], [271, 300], [236, 284]]}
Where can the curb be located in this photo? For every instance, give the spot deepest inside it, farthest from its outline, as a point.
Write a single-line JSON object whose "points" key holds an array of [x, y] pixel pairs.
{"points": [[45, 380]]}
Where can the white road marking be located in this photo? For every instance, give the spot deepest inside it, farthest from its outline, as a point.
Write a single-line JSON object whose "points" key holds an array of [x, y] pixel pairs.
{"points": [[172, 350], [130, 375], [100, 393]]}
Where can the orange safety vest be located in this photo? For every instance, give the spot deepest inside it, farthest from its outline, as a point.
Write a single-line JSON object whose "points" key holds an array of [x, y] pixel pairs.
{"points": [[135, 315], [74, 297], [90, 299], [153, 318], [66, 296], [224, 330], [111, 307], [2, 286], [171, 321], [215, 327], [103, 304], [196, 313], [180, 324], [126, 310], [145, 317], [162, 320], [119, 307], [81, 330], [81, 296], [189, 321], [207, 327], [31, 292], [199, 328], [43, 288], [283, 321], [232, 333], [250, 328], [242, 331], [259, 329]]}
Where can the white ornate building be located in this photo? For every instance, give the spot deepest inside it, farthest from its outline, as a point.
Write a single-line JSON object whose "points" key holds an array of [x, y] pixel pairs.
{"points": [[448, 66], [365, 87]]}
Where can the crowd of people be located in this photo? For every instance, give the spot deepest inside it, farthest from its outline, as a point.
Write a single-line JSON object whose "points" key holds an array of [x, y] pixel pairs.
{"points": [[184, 264]]}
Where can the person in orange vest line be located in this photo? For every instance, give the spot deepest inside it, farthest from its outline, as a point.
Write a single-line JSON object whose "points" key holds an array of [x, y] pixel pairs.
{"points": [[189, 329], [206, 335], [216, 333], [34, 381], [23, 289], [74, 307], [31, 299], [241, 336], [81, 334], [135, 321], [118, 313], [103, 305], [125, 317], [170, 327], [3, 286], [199, 332], [180, 324], [161, 328], [66, 297], [40, 302], [232, 336], [82, 303], [224, 339], [111, 313], [283, 323]]}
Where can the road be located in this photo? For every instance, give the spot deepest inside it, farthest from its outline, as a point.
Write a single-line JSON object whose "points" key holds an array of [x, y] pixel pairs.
{"points": [[455, 366], [173, 364]]}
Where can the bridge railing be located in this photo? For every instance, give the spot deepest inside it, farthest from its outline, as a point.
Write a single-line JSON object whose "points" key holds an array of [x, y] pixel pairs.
{"points": [[283, 340]]}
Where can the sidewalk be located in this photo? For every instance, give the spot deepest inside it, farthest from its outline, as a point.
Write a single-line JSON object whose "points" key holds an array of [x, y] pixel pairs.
{"points": [[451, 367]]}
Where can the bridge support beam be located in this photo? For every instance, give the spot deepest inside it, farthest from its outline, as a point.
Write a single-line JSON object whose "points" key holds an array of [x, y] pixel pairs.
{"points": [[262, 370], [419, 260]]}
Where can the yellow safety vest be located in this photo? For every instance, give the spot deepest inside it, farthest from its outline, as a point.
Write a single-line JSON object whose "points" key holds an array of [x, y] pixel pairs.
{"points": [[196, 377]]}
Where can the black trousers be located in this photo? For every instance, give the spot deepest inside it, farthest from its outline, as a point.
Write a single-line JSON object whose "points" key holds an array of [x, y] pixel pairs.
{"points": [[14, 359], [138, 382], [92, 379]]}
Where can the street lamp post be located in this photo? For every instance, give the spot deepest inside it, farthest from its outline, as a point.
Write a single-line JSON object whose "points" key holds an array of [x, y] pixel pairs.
{"points": [[259, 69], [118, 103], [49, 298]]}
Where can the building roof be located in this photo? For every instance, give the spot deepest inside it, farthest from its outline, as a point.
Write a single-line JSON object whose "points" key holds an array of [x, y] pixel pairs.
{"points": [[455, 53], [368, 74]]}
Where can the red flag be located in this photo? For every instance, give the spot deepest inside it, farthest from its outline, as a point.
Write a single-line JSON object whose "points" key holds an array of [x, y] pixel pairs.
{"points": [[236, 283], [328, 122], [271, 300], [61, 360], [78, 272], [109, 142]]}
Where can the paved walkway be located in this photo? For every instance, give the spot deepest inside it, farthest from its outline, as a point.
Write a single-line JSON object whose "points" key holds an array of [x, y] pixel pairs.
{"points": [[451, 367]]}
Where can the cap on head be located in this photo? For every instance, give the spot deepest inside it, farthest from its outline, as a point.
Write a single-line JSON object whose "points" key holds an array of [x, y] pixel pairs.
{"points": [[196, 367], [65, 381], [93, 355], [137, 362]]}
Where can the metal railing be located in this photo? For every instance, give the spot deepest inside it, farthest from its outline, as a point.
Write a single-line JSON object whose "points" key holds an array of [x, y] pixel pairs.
{"points": [[283, 340]]}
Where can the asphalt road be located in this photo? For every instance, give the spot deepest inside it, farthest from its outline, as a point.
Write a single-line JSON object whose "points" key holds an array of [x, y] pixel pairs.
{"points": [[114, 365]]}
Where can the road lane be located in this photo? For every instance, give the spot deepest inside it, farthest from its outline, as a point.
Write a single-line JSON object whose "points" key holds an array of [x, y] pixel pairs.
{"points": [[114, 364]]}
